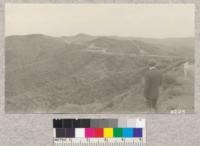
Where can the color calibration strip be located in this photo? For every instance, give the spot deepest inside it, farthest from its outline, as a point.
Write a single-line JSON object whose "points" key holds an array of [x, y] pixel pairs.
{"points": [[98, 132], [86, 132]]}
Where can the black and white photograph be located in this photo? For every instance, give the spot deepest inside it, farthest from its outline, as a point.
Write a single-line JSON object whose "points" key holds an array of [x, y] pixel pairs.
{"points": [[99, 58]]}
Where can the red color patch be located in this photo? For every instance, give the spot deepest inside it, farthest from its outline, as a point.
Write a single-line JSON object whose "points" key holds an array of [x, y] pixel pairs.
{"points": [[98, 132]]}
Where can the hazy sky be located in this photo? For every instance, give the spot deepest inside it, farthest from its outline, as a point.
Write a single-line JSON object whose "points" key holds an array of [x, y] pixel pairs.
{"points": [[137, 20]]}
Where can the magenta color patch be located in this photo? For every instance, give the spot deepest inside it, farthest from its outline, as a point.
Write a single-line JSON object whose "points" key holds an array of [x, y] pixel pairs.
{"points": [[89, 132]]}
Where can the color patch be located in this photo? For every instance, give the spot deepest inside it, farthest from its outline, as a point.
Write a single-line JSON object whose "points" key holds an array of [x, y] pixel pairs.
{"points": [[103, 123], [80, 132], [60, 132], [131, 123], [122, 123], [140, 123], [108, 132], [70, 132], [112, 123], [89, 132], [128, 132], [137, 132], [77, 123], [117, 132], [68, 123], [85, 123], [98, 132], [94, 123], [57, 123]]}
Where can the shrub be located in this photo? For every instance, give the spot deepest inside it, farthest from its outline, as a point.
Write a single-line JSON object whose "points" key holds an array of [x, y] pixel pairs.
{"points": [[170, 80], [175, 91]]}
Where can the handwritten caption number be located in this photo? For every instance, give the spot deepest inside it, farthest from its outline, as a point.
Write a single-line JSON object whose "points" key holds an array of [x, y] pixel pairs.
{"points": [[178, 111]]}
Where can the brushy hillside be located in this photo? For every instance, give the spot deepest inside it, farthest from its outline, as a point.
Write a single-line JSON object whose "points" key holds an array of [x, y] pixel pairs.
{"points": [[90, 74]]}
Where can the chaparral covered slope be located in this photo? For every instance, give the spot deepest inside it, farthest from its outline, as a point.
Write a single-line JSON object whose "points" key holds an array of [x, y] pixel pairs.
{"points": [[94, 74]]}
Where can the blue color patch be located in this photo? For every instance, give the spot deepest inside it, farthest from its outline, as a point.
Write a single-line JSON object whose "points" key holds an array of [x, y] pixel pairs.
{"points": [[128, 132], [137, 132]]}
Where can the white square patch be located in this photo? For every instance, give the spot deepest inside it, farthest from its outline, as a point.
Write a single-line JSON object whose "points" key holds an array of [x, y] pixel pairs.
{"points": [[80, 132]]}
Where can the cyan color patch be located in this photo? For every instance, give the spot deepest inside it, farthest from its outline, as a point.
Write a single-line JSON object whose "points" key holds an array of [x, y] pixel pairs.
{"points": [[128, 132]]}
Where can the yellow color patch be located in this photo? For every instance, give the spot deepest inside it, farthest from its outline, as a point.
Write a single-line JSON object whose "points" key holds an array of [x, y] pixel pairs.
{"points": [[108, 132]]}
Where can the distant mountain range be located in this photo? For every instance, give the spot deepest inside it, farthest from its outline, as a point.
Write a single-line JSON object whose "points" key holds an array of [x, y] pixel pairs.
{"points": [[169, 46]]}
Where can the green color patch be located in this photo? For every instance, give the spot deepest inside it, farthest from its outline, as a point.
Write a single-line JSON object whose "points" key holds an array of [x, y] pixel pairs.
{"points": [[118, 132]]}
